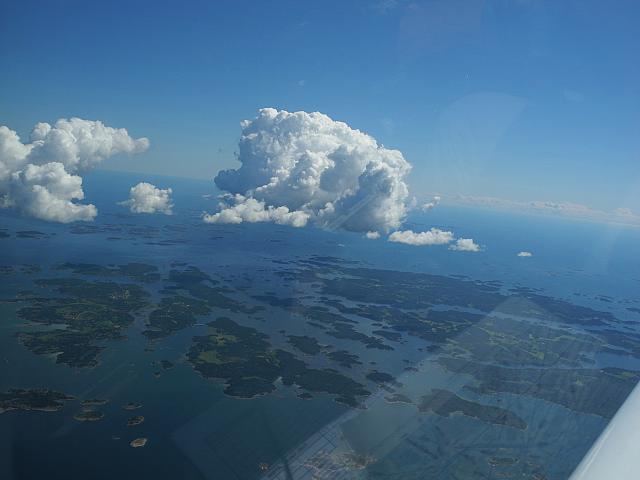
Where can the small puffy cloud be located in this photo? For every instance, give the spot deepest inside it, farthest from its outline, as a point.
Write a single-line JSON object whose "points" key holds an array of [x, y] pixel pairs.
{"points": [[434, 236], [525, 254], [308, 167], [465, 245], [147, 198], [432, 204], [251, 210], [372, 235], [40, 178]]}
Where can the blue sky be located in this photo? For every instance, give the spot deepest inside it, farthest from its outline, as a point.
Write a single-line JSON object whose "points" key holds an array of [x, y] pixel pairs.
{"points": [[520, 100]]}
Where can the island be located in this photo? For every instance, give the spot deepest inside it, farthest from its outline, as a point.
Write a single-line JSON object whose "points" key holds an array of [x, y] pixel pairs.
{"points": [[94, 402], [88, 415], [305, 344], [138, 442], [446, 403], [140, 272], [133, 421], [39, 399], [78, 322], [249, 365]]}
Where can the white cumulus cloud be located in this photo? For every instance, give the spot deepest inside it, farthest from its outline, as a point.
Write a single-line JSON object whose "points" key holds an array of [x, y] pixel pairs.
{"points": [[465, 245], [39, 178], [244, 209], [299, 167], [434, 236], [525, 254], [372, 235], [147, 198], [47, 192]]}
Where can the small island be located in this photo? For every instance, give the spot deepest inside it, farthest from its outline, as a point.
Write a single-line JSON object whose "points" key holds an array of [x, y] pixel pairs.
{"points": [[133, 421], [88, 416], [94, 402], [138, 442]]}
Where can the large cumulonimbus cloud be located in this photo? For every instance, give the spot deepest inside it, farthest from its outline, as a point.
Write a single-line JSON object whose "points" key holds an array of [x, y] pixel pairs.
{"points": [[305, 167], [40, 178], [147, 198]]}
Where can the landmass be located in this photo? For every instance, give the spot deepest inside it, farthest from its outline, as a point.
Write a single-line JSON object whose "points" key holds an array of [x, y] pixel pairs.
{"points": [[133, 421], [344, 358], [88, 416], [595, 391], [305, 344], [138, 442], [445, 403], [140, 272], [244, 358], [94, 402], [81, 320], [40, 399]]}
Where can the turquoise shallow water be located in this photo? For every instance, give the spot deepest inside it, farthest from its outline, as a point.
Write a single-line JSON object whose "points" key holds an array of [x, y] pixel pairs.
{"points": [[195, 431]]}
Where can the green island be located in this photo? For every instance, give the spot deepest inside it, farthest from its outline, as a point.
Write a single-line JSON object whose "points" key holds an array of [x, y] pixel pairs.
{"points": [[244, 359], [195, 282], [88, 416], [510, 342], [305, 344], [191, 294], [78, 323], [139, 272], [344, 358], [446, 403], [333, 324], [136, 420], [94, 402], [40, 399], [380, 377], [595, 391], [173, 314]]}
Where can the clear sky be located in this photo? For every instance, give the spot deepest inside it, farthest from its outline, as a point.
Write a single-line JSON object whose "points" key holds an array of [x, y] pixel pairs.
{"points": [[525, 100]]}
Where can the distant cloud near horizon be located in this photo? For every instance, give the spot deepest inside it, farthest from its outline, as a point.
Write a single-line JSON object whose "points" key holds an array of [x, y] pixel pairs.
{"points": [[39, 179], [618, 216], [147, 198], [432, 204], [525, 254], [434, 236], [298, 168]]}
